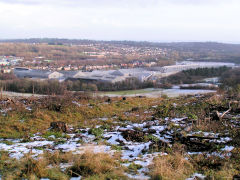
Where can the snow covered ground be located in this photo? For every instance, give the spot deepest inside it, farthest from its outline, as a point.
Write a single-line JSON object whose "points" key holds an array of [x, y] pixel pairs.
{"points": [[134, 151]]}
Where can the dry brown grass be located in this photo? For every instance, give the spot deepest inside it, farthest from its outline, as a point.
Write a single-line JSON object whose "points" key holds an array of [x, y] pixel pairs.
{"points": [[30, 168], [20, 122], [101, 164], [172, 166], [27, 167], [59, 157], [209, 126], [215, 167]]}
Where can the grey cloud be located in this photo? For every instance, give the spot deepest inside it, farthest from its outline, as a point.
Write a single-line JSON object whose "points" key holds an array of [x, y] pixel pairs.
{"points": [[118, 3], [121, 19], [84, 3], [200, 2], [25, 2]]}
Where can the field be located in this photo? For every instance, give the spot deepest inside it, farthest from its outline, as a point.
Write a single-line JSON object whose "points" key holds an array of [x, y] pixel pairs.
{"points": [[155, 92], [77, 136]]}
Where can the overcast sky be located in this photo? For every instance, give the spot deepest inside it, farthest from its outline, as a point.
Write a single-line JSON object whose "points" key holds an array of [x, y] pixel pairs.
{"points": [[149, 20]]}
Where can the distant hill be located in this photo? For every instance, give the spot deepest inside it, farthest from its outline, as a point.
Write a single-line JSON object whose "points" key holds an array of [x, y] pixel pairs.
{"points": [[199, 51], [189, 46]]}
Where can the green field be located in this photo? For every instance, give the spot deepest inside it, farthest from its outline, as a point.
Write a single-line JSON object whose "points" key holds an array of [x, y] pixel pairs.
{"points": [[152, 92], [131, 92]]}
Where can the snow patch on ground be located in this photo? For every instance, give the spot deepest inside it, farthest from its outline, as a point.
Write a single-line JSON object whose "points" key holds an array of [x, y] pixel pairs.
{"points": [[196, 176], [18, 150]]}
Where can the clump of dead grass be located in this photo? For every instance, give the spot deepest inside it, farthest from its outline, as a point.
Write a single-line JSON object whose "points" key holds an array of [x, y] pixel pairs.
{"points": [[31, 168], [214, 167], [100, 166], [172, 166]]}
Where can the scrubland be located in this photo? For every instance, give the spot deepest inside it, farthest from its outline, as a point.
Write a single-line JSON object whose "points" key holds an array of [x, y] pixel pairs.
{"points": [[120, 138]]}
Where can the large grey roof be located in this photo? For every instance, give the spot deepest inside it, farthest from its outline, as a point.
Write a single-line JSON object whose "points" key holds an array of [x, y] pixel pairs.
{"points": [[69, 73], [32, 73], [117, 73]]}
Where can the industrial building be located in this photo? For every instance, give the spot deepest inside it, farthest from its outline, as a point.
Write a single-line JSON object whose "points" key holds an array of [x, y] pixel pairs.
{"points": [[112, 76]]}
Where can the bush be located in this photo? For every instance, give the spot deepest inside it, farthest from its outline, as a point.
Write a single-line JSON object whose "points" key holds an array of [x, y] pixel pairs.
{"points": [[96, 132]]}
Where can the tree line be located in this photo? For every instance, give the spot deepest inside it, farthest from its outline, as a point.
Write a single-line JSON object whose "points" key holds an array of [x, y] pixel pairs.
{"points": [[51, 87], [8, 82], [193, 75], [230, 82]]}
